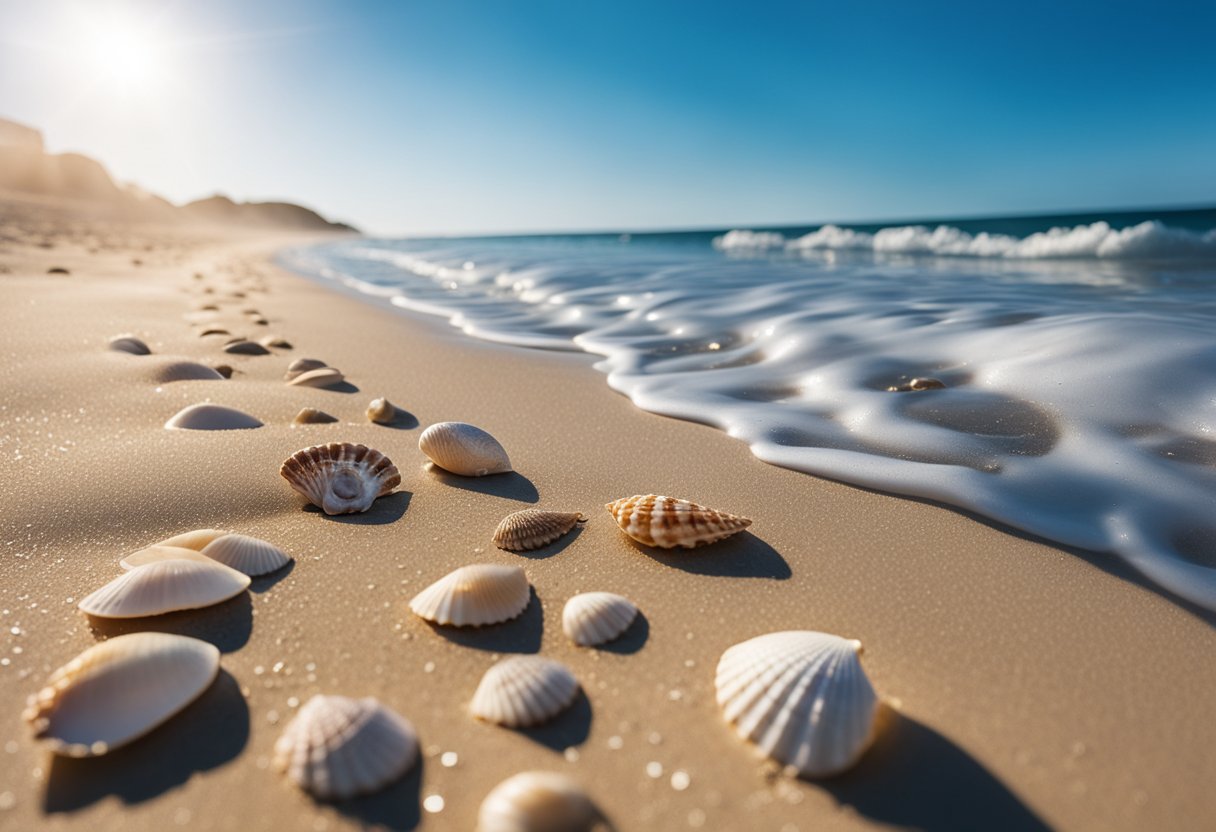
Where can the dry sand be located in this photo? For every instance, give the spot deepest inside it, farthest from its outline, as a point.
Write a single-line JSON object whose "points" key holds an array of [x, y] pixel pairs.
{"points": [[1038, 688]]}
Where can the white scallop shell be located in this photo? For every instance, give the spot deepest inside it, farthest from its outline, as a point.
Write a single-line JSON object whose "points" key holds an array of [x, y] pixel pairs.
{"points": [[341, 477], [594, 618], [464, 449], [247, 555], [481, 593], [129, 344], [520, 691], [301, 366], [538, 801], [211, 417], [381, 411], [320, 377], [164, 586], [667, 522], [532, 528], [196, 540], [119, 690], [802, 697], [151, 554], [338, 747]]}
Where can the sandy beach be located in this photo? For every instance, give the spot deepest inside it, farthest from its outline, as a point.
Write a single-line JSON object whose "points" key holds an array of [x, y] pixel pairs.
{"points": [[1033, 687]]}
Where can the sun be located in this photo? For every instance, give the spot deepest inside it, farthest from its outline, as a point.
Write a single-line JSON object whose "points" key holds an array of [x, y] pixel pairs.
{"points": [[120, 54]]}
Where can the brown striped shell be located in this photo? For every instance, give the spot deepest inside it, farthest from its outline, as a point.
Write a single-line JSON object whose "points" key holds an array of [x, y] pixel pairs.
{"points": [[341, 477], [523, 531], [669, 523]]}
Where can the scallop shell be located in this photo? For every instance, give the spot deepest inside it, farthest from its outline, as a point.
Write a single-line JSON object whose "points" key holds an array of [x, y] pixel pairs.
{"points": [[129, 344], [474, 595], [381, 411], [594, 618], [667, 522], [151, 554], [312, 416], [243, 347], [164, 586], [338, 747], [341, 477], [211, 417], [301, 366], [320, 377], [119, 690], [196, 540], [538, 801], [464, 449], [521, 691], [532, 528], [802, 697], [247, 555]]}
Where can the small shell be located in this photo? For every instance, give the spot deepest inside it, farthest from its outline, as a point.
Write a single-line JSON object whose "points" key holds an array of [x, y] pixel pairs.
{"points": [[275, 341], [247, 555], [802, 697], [594, 618], [195, 540], [243, 347], [341, 477], [164, 586], [532, 528], [321, 377], [211, 417], [464, 449], [381, 411], [338, 747], [474, 595], [185, 371], [312, 416], [119, 690], [213, 330], [301, 366], [224, 370], [151, 554], [538, 801], [129, 344], [521, 691], [667, 522]]}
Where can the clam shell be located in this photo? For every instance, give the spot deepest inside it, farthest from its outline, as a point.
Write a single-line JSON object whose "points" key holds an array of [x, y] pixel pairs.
{"points": [[151, 554], [243, 347], [321, 377], [195, 540], [520, 691], [119, 690], [247, 555], [381, 411], [538, 801], [464, 449], [312, 416], [474, 595], [802, 697], [338, 747], [594, 618], [523, 531], [129, 344], [341, 477], [164, 586], [185, 371], [211, 417], [667, 522], [302, 365]]}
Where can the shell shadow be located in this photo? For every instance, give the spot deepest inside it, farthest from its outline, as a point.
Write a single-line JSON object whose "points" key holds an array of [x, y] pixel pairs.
{"points": [[519, 635], [569, 728], [740, 556], [397, 806], [913, 777], [340, 387], [402, 420], [632, 640], [386, 509], [227, 625], [554, 547], [211, 731], [511, 485], [264, 582]]}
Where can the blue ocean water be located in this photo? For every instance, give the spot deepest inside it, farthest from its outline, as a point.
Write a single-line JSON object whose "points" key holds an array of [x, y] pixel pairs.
{"points": [[1076, 354]]}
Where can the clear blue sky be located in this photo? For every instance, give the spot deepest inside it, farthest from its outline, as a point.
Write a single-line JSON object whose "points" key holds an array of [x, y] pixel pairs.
{"points": [[408, 117]]}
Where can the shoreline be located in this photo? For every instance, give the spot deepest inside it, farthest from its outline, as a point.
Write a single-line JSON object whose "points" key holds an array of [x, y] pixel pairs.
{"points": [[1024, 674]]}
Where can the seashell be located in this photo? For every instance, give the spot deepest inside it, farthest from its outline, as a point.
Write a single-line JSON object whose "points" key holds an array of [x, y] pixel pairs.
{"points": [[196, 540], [464, 449], [207, 307], [185, 371], [381, 411], [667, 522], [247, 555], [538, 801], [338, 747], [151, 554], [223, 369], [129, 344], [119, 690], [802, 697], [918, 384], [320, 377], [481, 593], [341, 477], [302, 365], [214, 330], [594, 618], [243, 347], [164, 586], [275, 341], [211, 417], [523, 531], [312, 416], [259, 320], [520, 691]]}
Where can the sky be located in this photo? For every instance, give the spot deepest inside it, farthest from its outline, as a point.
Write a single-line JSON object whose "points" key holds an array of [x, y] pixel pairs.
{"points": [[443, 116]]}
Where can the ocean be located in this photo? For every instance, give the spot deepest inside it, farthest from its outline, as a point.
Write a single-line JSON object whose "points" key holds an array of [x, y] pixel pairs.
{"points": [[1076, 355]]}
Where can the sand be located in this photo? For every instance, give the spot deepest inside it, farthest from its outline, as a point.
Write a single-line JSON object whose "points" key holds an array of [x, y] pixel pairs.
{"points": [[1035, 687]]}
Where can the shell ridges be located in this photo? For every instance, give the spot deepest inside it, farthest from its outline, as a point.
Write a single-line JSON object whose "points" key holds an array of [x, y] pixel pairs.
{"points": [[474, 595], [464, 449], [248, 555], [341, 477], [532, 528], [520, 691], [668, 523], [164, 586], [594, 618]]}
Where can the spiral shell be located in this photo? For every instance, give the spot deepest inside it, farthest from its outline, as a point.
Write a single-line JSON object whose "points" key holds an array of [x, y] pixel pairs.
{"points": [[211, 417], [464, 449], [538, 801], [532, 528], [595, 618], [667, 522], [474, 595], [341, 477], [164, 586], [802, 697], [520, 691], [247, 555]]}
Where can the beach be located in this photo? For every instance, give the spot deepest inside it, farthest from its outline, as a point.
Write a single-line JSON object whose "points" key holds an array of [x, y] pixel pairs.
{"points": [[1031, 687]]}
